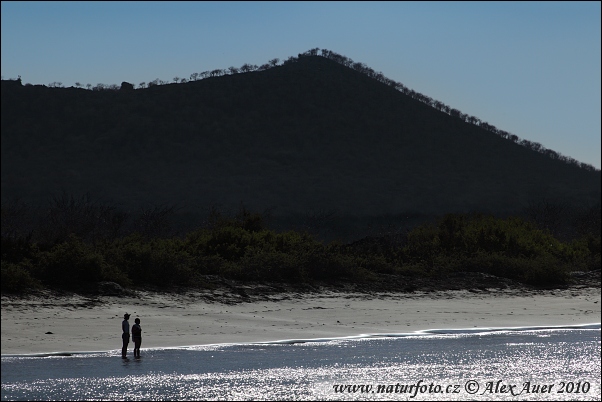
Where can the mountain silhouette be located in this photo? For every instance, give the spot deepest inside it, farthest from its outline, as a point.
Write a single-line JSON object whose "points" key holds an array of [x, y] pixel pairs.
{"points": [[307, 135]]}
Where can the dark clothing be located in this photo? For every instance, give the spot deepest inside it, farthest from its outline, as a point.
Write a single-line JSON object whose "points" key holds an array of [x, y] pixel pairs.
{"points": [[126, 340], [137, 343], [125, 327], [137, 338], [136, 332]]}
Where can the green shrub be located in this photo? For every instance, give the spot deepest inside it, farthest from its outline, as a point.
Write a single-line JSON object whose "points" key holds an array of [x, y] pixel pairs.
{"points": [[131, 255], [413, 270], [71, 263], [376, 263], [362, 275], [241, 248], [169, 264], [113, 274], [509, 248], [16, 278], [330, 267], [460, 234], [422, 243], [228, 242], [209, 265], [583, 254], [17, 249], [545, 271], [156, 262], [271, 265]]}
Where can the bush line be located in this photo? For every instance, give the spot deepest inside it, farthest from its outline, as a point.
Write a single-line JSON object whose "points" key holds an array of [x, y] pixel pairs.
{"points": [[241, 248]]}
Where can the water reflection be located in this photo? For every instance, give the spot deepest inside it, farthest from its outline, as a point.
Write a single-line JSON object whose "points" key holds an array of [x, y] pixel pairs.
{"points": [[335, 370]]}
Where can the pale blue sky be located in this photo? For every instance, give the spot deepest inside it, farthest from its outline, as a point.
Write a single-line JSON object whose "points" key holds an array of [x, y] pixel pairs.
{"points": [[530, 68]]}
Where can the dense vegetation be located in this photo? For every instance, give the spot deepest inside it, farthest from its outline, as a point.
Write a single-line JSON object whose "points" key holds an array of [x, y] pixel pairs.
{"points": [[77, 254]]}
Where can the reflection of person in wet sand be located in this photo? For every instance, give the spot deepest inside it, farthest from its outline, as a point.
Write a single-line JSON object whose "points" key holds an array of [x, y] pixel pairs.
{"points": [[137, 337], [125, 336]]}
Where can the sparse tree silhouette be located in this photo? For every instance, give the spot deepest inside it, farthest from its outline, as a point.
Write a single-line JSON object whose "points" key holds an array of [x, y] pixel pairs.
{"points": [[126, 86], [83, 217], [361, 67]]}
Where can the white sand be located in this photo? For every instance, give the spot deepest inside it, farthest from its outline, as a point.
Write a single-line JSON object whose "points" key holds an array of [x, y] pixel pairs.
{"points": [[171, 320]]}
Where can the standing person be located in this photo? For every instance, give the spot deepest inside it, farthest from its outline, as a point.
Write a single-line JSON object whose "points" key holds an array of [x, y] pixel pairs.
{"points": [[125, 336], [137, 337]]}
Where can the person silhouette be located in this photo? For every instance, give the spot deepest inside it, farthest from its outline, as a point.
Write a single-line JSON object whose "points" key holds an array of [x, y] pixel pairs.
{"points": [[125, 336], [137, 337]]}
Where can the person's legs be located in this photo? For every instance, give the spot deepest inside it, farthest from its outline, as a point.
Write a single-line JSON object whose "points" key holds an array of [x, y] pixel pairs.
{"points": [[137, 343], [126, 341]]}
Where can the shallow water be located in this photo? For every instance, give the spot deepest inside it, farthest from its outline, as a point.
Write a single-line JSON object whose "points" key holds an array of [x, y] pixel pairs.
{"points": [[480, 364]]}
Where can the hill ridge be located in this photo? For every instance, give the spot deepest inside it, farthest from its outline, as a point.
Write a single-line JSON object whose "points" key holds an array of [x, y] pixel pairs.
{"points": [[356, 66], [308, 134]]}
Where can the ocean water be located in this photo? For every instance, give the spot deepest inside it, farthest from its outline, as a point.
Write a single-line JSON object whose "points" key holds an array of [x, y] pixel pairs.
{"points": [[537, 363]]}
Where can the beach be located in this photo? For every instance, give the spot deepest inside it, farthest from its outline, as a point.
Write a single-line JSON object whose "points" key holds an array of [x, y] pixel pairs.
{"points": [[48, 322]]}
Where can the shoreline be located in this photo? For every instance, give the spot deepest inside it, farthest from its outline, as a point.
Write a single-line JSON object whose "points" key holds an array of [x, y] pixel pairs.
{"points": [[426, 332], [49, 323]]}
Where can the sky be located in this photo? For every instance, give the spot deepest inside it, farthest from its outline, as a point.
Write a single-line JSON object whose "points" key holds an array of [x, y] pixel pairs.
{"points": [[529, 68]]}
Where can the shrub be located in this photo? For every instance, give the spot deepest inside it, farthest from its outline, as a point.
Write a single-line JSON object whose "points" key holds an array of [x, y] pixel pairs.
{"points": [[113, 274], [510, 248], [16, 249], [169, 265], [241, 248], [545, 271], [377, 264], [272, 265], [330, 267], [158, 262], [71, 263], [16, 278], [228, 242], [131, 254], [210, 265]]}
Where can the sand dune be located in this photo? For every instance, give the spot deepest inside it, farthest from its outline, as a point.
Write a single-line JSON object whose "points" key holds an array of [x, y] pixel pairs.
{"points": [[50, 323]]}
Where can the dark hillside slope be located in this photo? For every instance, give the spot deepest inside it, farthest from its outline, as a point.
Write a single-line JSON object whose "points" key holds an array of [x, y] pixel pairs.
{"points": [[307, 135]]}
